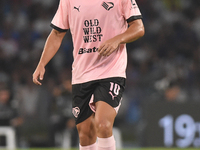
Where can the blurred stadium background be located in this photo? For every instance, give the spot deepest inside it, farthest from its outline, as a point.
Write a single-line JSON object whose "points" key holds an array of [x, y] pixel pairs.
{"points": [[161, 106]]}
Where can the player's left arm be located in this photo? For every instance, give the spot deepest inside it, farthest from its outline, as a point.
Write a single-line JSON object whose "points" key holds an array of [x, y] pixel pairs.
{"points": [[134, 32]]}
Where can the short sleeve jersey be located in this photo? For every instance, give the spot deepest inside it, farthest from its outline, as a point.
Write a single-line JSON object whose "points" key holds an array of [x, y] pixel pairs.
{"points": [[92, 22]]}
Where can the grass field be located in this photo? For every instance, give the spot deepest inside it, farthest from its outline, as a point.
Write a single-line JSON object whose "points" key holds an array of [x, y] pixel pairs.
{"points": [[119, 149]]}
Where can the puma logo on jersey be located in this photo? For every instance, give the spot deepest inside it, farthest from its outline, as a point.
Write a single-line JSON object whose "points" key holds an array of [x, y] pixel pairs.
{"points": [[107, 5], [77, 8]]}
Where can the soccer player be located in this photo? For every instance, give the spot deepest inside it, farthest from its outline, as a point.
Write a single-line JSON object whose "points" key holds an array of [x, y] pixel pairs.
{"points": [[99, 30]]}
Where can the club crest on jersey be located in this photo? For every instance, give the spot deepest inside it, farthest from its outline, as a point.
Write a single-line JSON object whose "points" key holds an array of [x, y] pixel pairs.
{"points": [[76, 112], [107, 5]]}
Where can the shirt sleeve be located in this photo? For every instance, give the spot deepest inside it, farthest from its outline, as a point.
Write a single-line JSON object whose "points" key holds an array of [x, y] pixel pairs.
{"points": [[130, 10], [60, 21]]}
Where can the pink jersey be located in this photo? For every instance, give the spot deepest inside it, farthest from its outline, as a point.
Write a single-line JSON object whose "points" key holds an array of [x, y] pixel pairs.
{"points": [[92, 22]]}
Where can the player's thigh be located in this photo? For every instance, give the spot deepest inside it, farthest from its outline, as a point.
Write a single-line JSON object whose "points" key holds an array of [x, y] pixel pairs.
{"points": [[104, 116], [86, 124], [87, 131], [107, 99]]}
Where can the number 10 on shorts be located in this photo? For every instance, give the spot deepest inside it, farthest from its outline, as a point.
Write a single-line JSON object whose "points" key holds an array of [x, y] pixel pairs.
{"points": [[114, 87]]}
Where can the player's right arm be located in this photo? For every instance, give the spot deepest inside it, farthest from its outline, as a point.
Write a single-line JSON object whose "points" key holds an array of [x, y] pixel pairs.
{"points": [[52, 45]]}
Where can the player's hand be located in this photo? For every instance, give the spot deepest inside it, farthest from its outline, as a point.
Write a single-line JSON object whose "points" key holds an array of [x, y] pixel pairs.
{"points": [[38, 75], [108, 47]]}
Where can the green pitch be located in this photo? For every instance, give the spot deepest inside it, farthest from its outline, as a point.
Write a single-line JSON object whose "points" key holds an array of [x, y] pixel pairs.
{"points": [[119, 149]]}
